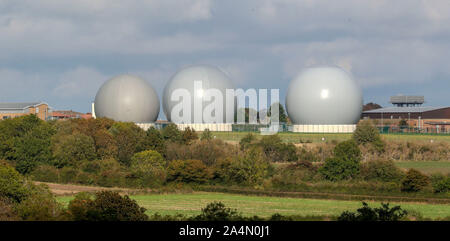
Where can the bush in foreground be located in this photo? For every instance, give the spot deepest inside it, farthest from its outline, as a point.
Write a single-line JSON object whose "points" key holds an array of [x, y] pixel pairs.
{"points": [[366, 213], [107, 206]]}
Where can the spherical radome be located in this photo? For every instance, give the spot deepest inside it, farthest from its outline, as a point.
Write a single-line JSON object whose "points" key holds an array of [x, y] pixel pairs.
{"points": [[324, 96], [127, 98], [210, 77]]}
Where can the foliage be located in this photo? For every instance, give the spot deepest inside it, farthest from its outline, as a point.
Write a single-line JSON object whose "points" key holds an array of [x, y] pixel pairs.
{"points": [[381, 170], [68, 150], [216, 211], [12, 185], [40, 206], [366, 213], [348, 151], [107, 206], [414, 181], [440, 183], [172, 133], [129, 139], [188, 135], [25, 141], [149, 166], [367, 133], [188, 171], [154, 141], [345, 163], [277, 151], [247, 140], [250, 167], [206, 135], [282, 116]]}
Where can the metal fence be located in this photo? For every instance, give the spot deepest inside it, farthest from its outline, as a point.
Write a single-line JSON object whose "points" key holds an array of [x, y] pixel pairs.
{"points": [[439, 130]]}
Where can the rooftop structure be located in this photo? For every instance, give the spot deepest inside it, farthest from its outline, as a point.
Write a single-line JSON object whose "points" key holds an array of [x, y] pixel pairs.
{"points": [[404, 100]]}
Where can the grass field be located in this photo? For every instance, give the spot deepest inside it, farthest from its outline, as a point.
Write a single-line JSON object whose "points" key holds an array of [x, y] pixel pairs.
{"points": [[427, 167], [191, 204], [307, 137]]}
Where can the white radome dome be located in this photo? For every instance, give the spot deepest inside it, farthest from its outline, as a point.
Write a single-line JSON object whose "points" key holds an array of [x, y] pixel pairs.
{"points": [[211, 78], [324, 96], [127, 98]]}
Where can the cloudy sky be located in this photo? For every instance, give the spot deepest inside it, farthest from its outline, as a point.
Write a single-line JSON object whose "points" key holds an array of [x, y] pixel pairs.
{"points": [[61, 51]]}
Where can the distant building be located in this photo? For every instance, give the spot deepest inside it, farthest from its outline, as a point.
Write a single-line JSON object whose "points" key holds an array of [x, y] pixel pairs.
{"points": [[12, 110], [415, 115], [69, 114]]}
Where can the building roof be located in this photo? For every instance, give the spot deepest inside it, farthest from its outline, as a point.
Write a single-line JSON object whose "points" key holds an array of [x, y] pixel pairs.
{"points": [[17, 106], [403, 110]]}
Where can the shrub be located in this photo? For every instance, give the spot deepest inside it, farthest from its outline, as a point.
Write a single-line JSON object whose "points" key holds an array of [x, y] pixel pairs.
{"points": [[206, 135], [366, 132], [45, 173], [149, 166], [216, 211], [246, 141], [348, 151], [337, 169], [211, 151], [12, 185], [366, 213], [440, 183], [414, 181], [247, 168], [189, 135], [381, 170], [107, 206], [277, 151], [40, 206], [188, 171], [345, 163]]}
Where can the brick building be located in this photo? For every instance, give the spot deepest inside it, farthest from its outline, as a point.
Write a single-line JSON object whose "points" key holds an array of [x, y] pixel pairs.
{"points": [[12, 110]]}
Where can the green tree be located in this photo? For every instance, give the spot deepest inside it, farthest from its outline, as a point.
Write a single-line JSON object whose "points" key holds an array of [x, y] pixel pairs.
{"points": [[366, 213], [129, 139], [155, 141], [172, 133], [348, 150], [71, 149], [216, 211], [345, 164], [414, 181], [366, 133], [107, 206], [283, 118], [25, 141], [188, 171], [149, 166], [189, 135], [381, 170]]}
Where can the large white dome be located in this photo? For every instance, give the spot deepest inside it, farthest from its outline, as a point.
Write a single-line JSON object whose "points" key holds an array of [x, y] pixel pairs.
{"points": [[210, 77], [127, 98], [324, 96]]}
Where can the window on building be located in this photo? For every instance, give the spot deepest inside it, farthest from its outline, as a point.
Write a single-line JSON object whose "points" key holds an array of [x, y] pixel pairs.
{"points": [[37, 110]]}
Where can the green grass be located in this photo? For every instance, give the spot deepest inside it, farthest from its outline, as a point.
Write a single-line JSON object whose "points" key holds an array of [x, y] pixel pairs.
{"points": [[428, 167], [315, 137], [191, 204]]}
